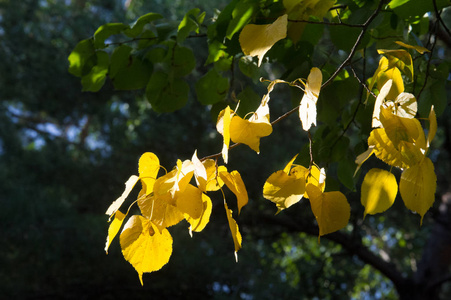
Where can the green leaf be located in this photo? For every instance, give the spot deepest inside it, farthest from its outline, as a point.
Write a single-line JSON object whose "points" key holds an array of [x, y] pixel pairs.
{"points": [[241, 15], [183, 61], [166, 95], [216, 51], [94, 80], [82, 58], [345, 173], [249, 101], [120, 59], [133, 76], [105, 31], [137, 28], [191, 22], [249, 67], [212, 88]]}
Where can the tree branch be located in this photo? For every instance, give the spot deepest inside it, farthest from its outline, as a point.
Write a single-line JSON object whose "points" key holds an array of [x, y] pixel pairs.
{"points": [[356, 44]]}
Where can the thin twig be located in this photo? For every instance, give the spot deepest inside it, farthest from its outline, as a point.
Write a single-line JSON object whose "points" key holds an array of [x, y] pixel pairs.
{"points": [[429, 62], [327, 23], [357, 42]]}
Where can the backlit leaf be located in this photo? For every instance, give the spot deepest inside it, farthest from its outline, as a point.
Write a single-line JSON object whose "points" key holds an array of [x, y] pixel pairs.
{"points": [[256, 40], [198, 224], [223, 127], [200, 173], [384, 149], [307, 109], [189, 202], [317, 177], [379, 189], [400, 59], [331, 209], [114, 228], [236, 235], [250, 131], [118, 202], [235, 183], [417, 187], [148, 167], [94, 80], [361, 158], [81, 59], [379, 101], [432, 126], [214, 182], [146, 248], [419, 49], [162, 213]]}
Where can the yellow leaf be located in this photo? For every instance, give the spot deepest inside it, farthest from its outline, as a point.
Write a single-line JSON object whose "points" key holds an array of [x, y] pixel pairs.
{"points": [[361, 158], [419, 49], [114, 228], [307, 109], [159, 211], [289, 164], [400, 59], [432, 126], [236, 235], [398, 83], [177, 180], [118, 202], [285, 190], [384, 149], [148, 168], [407, 130], [145, 247], [379, 189], [199, 223], [405, 105], [200, 173], [317, 177], [256, 40], [190, 202], [331, 209], [250, 131], [214, 182], [223, 127], [379, 101], [417, 187], [236, 185]]}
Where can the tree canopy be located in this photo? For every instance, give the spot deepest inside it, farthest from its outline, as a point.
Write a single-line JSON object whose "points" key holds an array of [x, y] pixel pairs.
{"points": [[243, 132]]}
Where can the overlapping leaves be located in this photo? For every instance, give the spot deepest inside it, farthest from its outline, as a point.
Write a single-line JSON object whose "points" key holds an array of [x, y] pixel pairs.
{"points": [[165, 201]]}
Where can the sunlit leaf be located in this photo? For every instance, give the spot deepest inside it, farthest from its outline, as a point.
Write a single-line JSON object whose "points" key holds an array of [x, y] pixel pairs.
{"points": [[235, 183], [307, 109], [379, 101], [317, 177], [223, 127], [379, 189], [285, 189], [94, 80], [105, 31], [190, 23], [398, 82], [419, 49], [384, 149], [405, 105], [214, 182], [200, 172], [162, 213], [417, 187], [145, 247], [82, 58], [361, 158], [250, 131], [114, 228], [236, 235], [432, 126], [118, 202], [189, 202], [400, 59], [148, 167], [198, 224], [138, 26], [256, 40], [331, 209]]}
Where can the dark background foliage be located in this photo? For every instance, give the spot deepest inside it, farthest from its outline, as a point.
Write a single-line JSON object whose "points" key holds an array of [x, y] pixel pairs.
{"points": [[65, 155]]}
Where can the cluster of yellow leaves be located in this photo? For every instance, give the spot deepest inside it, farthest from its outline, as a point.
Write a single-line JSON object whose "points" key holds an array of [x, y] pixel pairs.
{"points": [[399, 140], [165, 201], [288, 186]]}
